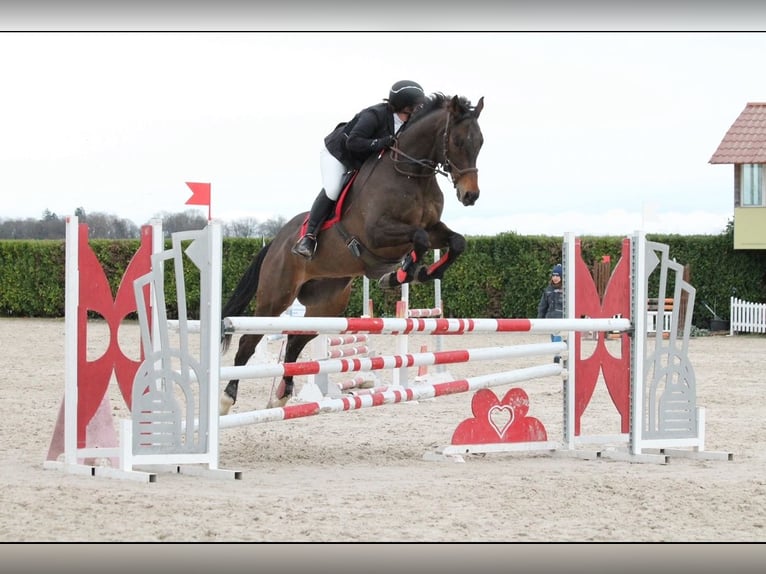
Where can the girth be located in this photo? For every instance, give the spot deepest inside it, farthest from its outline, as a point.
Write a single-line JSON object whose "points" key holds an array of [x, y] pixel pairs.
{"points": [[375, 267]]}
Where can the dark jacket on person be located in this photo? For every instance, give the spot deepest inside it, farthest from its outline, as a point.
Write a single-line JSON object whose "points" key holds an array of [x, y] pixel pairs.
{"points": [[367, 133], [551, 304]]}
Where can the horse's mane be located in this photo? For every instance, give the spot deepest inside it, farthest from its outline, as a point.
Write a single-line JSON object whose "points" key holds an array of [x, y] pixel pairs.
{"points": [[437, 101]]}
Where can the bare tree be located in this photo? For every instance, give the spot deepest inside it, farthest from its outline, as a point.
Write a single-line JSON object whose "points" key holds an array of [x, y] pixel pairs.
{"points": [[189, 220], [107, 226], [20, 229], [245, 227], [270, 227], [50, 226]]}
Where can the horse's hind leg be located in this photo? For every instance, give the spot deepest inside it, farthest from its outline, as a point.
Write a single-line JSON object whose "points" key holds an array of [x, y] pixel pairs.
{"points": [[247, 344], [322, 298], [293, 348]]}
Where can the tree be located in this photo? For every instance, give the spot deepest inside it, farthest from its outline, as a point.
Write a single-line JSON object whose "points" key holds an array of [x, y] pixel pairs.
{"points": [[245, 227], [270, 227], [106, 226], [189, 220], [51, 227], [19, 229]]}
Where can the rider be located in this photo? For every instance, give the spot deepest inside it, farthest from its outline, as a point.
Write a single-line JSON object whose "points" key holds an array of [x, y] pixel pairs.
{"points": [[349, 145]]}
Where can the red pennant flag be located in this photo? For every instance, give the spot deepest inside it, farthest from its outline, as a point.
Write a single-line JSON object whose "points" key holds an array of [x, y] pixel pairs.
{"points": [[200, 193]]}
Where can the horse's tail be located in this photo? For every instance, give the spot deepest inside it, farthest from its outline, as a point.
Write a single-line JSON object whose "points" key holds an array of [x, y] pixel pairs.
{"points": [[243, 293]]}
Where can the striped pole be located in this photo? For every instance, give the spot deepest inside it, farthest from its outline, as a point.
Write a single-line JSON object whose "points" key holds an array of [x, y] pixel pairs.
{"points": [[347, 352], [354, 383], [379, 398], [334, 347], [347, 339], [355, 364], [418, 313], [395, 326]]}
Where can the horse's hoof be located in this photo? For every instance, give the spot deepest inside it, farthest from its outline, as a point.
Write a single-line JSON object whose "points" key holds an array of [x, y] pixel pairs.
{"points": [[275, 403], [225, 404], [281, 394], [422, 276], [388, 281]]}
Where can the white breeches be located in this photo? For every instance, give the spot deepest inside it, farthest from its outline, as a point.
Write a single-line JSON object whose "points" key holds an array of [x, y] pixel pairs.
{"points": [[332, 173]]}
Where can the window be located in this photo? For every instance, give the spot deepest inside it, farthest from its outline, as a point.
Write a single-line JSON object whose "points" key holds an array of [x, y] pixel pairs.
{"points": [[752, 185]]}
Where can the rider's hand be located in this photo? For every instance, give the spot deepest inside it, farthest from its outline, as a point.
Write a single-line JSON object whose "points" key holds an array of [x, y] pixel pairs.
{"points": [[383, 143]]}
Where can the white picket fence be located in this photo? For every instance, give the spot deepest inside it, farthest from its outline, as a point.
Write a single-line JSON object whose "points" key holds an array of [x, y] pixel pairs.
{"points": [[659, 316], [746, 317]]}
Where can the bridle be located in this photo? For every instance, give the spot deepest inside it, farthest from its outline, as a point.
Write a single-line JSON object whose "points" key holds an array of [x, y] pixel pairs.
{"points": [[449, 167]]}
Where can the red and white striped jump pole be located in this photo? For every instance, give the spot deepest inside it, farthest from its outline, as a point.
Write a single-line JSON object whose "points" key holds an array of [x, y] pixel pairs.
{"points": [[377, 399], [354, 383], [347, 340], [420, 313], [347, 352], [335, 347], [395, 326], [355, 364]]}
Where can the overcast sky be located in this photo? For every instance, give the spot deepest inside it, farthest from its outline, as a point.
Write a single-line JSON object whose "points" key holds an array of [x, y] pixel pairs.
{"points": [[594, 133]]}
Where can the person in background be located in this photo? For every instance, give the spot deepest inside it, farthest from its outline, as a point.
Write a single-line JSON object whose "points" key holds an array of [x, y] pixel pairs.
{"points": [[348, 146], [551, 305]]}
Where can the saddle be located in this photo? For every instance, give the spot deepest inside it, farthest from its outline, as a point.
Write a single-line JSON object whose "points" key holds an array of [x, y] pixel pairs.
{"points": [[348, 179], [375, 267]]}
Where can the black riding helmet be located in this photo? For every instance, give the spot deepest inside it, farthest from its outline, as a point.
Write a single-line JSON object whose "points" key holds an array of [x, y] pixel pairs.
{"points": [[405, 93]]}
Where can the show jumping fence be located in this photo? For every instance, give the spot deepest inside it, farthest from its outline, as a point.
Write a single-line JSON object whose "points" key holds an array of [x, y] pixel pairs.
{"points": [[175, 424]]}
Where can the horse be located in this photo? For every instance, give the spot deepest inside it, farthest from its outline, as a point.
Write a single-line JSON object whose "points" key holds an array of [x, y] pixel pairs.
{"points": [[386, 219]]}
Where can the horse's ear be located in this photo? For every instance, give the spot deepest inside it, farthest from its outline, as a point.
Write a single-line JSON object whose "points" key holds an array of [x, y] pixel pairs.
{"points": [[479, 107], [454, 106]]}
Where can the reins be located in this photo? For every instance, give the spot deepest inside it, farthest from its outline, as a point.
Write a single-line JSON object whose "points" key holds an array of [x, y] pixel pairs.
{"points": [[428, 164]]}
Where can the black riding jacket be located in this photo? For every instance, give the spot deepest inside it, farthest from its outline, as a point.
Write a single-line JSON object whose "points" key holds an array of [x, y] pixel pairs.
{"points": [[366, 134]]}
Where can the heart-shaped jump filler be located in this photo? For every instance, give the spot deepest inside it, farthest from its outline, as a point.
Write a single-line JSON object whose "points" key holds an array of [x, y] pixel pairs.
{"points": [[500, 417]]}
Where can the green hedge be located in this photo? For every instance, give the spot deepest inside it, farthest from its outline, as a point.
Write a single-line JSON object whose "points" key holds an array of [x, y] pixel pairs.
{"points": [[500, 276]]}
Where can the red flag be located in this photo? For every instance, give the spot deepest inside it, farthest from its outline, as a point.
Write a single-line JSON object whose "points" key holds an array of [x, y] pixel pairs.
{"points": [[200, 194]]}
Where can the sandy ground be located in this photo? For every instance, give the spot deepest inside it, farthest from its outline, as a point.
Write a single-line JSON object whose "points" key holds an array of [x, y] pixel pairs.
{"points": [[361, 477]]}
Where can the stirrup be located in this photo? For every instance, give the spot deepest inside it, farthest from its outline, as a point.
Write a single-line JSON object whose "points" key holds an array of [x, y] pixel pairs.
{"points": [[306, 246]]}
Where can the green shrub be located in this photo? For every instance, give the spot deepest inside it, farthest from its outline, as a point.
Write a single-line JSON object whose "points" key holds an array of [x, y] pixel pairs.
{"points": [[499, 276]]}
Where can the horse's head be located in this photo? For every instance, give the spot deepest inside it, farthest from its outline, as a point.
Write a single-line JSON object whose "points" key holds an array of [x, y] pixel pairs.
{"points": [[462, 141], [446, 131]]}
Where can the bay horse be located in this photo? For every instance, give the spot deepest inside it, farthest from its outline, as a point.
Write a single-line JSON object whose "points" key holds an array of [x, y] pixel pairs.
{"points": [[385, 221]]}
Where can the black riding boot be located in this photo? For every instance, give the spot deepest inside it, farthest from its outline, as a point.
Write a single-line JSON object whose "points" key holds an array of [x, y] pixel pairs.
{"points": [[306, 246]]}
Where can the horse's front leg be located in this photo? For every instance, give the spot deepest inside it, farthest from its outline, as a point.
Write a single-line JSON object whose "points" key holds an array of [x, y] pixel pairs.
{"points": [[413, 261], [442, 237]]}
